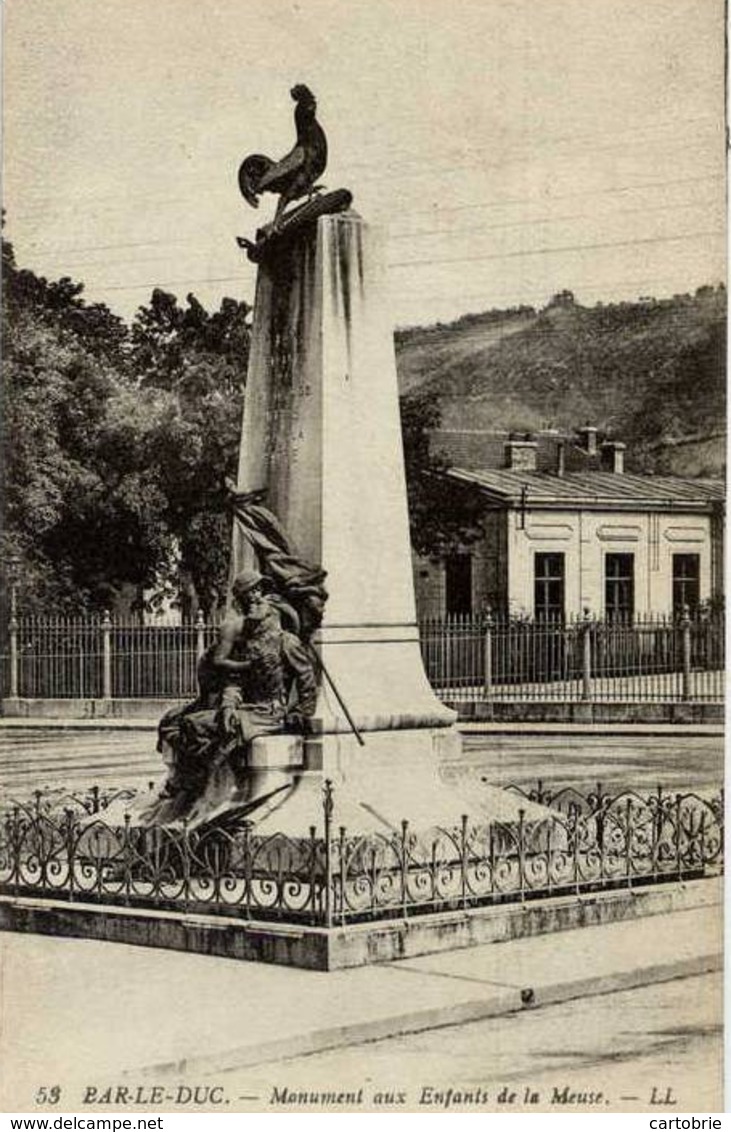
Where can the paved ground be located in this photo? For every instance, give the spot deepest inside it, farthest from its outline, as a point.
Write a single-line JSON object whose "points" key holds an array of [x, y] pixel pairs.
{"points": [[677, 760], [83, 1013], [623, 1045], [37, 756]]}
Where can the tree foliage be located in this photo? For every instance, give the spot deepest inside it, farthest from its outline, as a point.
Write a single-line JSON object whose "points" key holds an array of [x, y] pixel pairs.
{"points": [[117, 440], [194, 363], [443, 517]]}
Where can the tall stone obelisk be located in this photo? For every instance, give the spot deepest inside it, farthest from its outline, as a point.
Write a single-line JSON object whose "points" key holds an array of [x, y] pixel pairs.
{"points": [[321, 438]]}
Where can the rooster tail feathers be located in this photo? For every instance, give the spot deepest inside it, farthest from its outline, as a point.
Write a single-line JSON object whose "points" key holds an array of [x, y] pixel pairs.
{"points": [[251, 170], [248, 195]]}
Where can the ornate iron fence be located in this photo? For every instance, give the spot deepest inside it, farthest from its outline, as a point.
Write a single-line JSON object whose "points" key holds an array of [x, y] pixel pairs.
{"points": [[62, 847]]}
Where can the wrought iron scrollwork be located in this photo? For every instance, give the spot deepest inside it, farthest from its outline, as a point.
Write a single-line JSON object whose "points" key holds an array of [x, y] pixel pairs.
{"points": [[63, 846]]}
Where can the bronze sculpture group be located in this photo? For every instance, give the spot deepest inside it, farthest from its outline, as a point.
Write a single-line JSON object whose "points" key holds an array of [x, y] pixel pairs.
{"points": [[257, 679]]}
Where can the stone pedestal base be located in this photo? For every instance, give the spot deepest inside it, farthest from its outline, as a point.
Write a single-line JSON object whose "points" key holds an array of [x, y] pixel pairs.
{"points": [[394, 777]]}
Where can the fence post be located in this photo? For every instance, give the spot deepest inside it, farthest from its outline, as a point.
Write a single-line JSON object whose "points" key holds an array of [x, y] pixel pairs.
{"points": [[106, 656], [14, 657], [200, 634], [686, 649], [586, 658], [327, 810], [487, 647], [404, 868]]}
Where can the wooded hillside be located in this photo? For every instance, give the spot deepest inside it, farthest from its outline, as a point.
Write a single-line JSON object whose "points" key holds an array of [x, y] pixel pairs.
{"points": [[652, 373]]}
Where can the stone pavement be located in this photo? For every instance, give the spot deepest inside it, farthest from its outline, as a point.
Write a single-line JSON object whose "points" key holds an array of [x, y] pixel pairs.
{"points": [[10, 724], [86, 1011], [75, 753], [38, 753]]}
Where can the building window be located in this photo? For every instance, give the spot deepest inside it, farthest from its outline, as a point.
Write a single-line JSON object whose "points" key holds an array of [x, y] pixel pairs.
{"points": [[548, 592], [686, 581], [619, 587], [458, 581]]}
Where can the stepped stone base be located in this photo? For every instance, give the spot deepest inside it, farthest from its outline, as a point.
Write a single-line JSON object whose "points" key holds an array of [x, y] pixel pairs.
{"points": [[328, 949]]}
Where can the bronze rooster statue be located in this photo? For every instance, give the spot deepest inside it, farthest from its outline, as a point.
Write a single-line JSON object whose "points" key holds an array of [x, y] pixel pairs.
{"points": [[295, 175]]}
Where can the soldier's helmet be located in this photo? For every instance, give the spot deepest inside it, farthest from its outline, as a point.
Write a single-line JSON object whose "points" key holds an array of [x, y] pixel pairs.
{"points": [[246, 581]]}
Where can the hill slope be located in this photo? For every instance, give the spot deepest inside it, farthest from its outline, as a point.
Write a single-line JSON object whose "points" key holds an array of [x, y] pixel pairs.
{"points": [[651, 373]]}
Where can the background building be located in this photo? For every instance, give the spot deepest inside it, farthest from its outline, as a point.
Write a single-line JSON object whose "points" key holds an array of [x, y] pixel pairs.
{"points": [[566, 529]]}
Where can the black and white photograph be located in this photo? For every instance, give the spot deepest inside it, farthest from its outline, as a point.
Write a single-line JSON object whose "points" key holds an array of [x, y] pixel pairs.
{"points": [[362, 522]]}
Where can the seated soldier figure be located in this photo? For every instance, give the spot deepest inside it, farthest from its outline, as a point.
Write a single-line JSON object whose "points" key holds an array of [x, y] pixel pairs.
{"points": [[268, 677], [256, 679]]}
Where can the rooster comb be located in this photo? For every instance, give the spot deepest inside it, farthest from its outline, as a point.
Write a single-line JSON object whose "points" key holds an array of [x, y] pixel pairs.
{"points": [[302, 93]]}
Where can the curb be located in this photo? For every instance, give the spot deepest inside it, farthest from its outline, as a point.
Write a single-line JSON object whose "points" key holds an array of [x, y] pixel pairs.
{"points": [[44, 723], [598, 729], [498, 1004]]}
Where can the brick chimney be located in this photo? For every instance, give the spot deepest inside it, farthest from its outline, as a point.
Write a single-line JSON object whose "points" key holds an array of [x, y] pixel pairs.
{"points": [[561, 458], [521, 453], [613, 457], [588, 436]]}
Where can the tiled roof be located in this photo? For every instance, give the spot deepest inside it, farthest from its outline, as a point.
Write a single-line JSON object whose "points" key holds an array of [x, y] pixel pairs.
{"points": [[591, 487]]}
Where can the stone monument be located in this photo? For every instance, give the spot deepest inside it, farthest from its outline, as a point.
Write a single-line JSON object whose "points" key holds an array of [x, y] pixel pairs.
{"points": [[317, 675], [321, 538], [321, 453]]}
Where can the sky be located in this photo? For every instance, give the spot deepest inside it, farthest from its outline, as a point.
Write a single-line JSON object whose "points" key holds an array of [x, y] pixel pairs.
{"points": [[510, 148]]}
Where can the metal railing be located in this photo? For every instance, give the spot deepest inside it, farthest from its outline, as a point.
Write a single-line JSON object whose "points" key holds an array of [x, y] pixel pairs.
{"points": [[99, 658], [62, 848], [583, 659], [468, 658]]}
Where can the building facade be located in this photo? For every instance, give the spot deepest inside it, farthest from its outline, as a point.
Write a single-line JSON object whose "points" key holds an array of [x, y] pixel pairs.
{"points": [[580, 535]]}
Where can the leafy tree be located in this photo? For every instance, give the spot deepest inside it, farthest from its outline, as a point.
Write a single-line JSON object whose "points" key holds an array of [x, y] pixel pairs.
{"points": [[60, 304], [117, 440], [443, 516], [80, 526], [199, 360]]}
